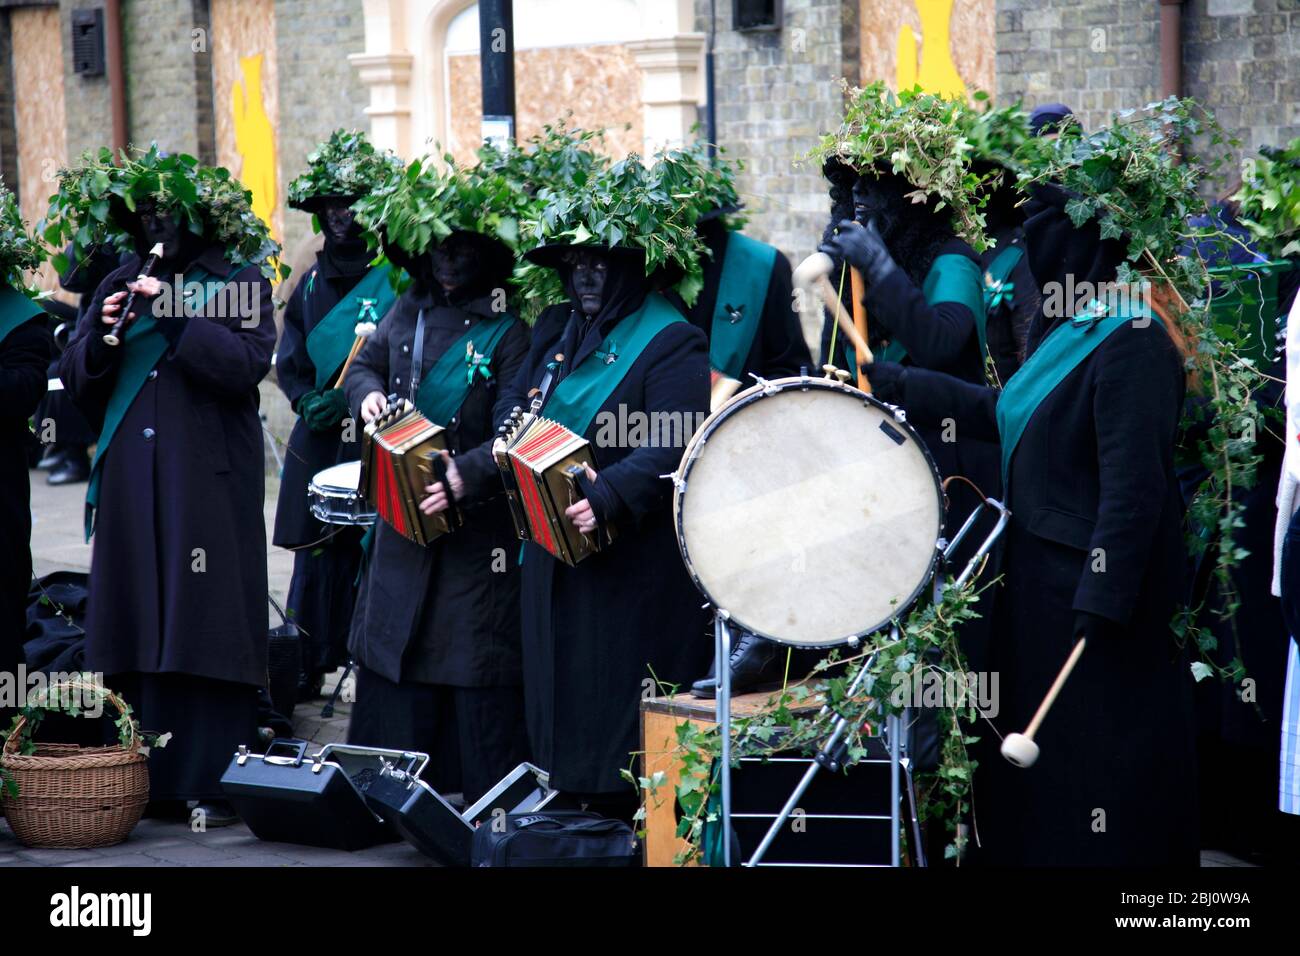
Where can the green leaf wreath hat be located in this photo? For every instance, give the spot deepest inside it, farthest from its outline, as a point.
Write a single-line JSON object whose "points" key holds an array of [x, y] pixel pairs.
{"points": [[20, 252], [341, 170], [628, 210], [917, 136], [95, 205]]}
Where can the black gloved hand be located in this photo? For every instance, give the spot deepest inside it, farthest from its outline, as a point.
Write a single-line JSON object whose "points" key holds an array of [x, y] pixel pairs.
{"points": [[1094, 627], [327, 409], [887, 380], [863, 248]]}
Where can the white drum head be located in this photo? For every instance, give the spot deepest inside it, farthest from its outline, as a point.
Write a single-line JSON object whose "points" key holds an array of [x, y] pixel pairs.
{"points": [[342, 477], [810, 515]]}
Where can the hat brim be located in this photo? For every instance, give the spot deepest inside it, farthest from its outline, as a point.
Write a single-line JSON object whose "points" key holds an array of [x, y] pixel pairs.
{"points": [[315, 204], [552, 255]]}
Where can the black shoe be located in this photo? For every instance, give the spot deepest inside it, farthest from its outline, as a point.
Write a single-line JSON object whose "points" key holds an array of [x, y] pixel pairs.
{"points": [[756, 664], [214, 813], [70, 471], [50, 460]]}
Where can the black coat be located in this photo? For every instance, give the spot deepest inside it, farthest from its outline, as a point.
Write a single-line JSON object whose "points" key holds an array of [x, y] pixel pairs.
{"points": [[596, 635], [184, 472], [778, 349], [24, 355], [308, 452], [448, 613], [1095, 527]]}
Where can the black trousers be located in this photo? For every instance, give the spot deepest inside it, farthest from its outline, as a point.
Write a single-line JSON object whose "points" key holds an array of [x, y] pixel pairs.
{"points": [[322, 593], [474, 736]]}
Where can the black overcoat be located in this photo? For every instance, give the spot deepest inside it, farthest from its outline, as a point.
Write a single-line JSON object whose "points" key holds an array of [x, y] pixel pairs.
{"points": [[595, 636], [178, 579], [308, 451], [448, 613], [24, 355], [778, 349], [1095, 527]]}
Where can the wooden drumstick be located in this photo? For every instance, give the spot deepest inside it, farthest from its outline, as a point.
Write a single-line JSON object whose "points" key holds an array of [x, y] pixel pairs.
{"points": [[363, 331], [847, 326], [1020, 749], [860, 325]]}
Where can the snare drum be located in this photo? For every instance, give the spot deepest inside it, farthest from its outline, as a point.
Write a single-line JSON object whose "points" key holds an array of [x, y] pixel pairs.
{"points": [[809, 511], [335, 499]]}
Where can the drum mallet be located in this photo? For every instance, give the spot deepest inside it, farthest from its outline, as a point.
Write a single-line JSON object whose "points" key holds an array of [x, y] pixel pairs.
{"points": [[813, 273], [1020, 749], [363, 331]]}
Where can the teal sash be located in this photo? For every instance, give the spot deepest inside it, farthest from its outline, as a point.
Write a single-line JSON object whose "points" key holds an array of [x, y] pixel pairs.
{"points": [[331, 339], [1058, 355], [742, 291], [952, 278], [144, 347], [580, 394], [447, 385], [996, 287], [15, 309]]}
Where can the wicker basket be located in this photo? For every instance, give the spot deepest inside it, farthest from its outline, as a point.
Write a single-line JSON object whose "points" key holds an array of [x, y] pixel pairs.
{"points": [[74, 797]]}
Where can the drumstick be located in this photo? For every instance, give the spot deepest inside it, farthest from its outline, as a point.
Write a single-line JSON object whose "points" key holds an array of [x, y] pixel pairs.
{"points": [[1020, 749], [856, 338], [860, 323], [363, 331]]}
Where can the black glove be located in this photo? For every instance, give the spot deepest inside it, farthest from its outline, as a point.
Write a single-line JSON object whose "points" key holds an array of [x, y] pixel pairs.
{"points": [[325, 410], [887, 380], [1094, 627], [863, 248]]}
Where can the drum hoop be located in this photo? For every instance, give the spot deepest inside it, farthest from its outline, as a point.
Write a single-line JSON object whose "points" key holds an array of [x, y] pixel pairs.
{"points": [[748, 397]]}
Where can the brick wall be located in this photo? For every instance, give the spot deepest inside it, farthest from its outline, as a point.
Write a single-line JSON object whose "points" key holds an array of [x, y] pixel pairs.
{"points": [[162, 81], [8, 136], [86, 102], [319, 88], [777, 93]]}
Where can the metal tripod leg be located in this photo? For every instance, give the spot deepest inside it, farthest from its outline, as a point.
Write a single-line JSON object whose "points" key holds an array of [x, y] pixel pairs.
{"points": [[722, 668], [828, 748]]}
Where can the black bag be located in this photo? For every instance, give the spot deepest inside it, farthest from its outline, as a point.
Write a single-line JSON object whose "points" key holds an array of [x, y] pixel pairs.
{"points": [[556, 838], [283, 663]]}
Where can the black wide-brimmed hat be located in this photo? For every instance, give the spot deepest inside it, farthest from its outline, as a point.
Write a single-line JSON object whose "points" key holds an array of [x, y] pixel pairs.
{"points": [[552, 255], [318, 202]]}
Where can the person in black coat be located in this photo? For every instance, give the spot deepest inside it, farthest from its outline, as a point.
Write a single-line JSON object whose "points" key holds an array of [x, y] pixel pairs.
{"points": [[326, 558], [435, 633], [177, 613], [1094, 550], [758, 298], [597, 636], [25, 348]]}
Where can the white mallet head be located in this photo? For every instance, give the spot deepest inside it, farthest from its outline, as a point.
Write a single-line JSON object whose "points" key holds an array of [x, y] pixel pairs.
{"points": [[1020, 750]]}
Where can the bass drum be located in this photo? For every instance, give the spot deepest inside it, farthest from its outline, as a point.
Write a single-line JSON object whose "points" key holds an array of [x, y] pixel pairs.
{"points": [[809, 512]]}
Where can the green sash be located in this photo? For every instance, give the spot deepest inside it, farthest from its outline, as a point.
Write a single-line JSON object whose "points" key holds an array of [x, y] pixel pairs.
{"points": [[330, 340], [144, 346], [952, 278], [581, 393], [445, 388], [742, 291], [1058, 355], [15, 310]]}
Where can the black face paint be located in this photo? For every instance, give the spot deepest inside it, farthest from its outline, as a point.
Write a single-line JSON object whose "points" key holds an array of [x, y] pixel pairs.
{"points": [[159, 225], [338, 223], [882, 199], [455, 263], [590, 272]]}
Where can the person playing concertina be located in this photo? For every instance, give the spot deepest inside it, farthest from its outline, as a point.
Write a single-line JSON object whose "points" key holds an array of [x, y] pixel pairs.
{"points": [[598, 635], [339, 291], [1094, 550], [435, 634], [177, 615]]}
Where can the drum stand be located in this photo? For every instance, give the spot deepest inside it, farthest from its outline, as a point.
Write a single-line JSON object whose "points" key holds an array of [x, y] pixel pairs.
{"points": [[832, 752]]}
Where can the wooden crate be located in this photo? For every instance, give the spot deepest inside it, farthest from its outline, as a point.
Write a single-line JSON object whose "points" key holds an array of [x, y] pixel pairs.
{"points": [[659, 720]]}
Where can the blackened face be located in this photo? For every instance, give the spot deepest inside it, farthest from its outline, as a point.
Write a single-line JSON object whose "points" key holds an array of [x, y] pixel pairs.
{"points": [[159, 225], [590, 273], [337, 222], [455, 263], [878, 199]]}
